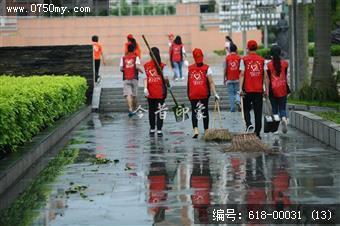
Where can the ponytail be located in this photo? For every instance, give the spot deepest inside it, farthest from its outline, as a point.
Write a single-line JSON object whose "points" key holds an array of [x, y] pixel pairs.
{"points": [[156, 53], [275, 52]]}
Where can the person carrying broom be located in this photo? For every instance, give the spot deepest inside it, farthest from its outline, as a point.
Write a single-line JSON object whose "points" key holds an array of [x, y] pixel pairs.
{"points": [[200, 83], [155, 91], [252, 78]]}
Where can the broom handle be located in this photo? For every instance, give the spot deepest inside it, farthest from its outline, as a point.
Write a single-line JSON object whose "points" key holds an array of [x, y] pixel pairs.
{"points": [[217, 110], [159, 68], [242, 111]]}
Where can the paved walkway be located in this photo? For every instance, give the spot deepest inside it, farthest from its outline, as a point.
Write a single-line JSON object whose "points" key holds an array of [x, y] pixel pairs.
{"points": [[158, 181]]}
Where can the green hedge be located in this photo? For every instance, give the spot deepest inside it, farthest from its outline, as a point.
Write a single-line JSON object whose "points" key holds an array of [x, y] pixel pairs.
{"points": [[335, 50], [30, 104]]}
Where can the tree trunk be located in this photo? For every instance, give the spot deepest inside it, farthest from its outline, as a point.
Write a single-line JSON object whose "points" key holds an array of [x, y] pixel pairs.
{"points": [[322, 79], [302, 70]]}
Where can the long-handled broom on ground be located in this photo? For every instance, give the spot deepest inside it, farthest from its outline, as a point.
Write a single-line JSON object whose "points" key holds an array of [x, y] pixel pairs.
{"points": [[180, 111], [248, 141], [217, 134]]}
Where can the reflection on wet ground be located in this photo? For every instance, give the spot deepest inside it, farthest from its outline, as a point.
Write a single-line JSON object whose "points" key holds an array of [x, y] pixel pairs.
{"points": [[164, 181]]}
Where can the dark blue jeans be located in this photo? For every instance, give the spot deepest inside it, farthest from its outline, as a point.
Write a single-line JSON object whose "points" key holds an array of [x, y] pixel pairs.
{"points": [[279, 106]]}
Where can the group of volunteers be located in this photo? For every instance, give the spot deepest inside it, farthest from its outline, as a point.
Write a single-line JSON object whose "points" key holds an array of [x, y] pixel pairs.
{"points": [[248, 79]]}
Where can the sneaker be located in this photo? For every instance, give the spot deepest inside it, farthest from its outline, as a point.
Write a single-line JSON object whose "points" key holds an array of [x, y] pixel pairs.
{"points": [[152, 132], [250, 129], [195, 133], [182, 78], [176, 79], [159, 133], [99, 79], [130, 114], [284, 125]]}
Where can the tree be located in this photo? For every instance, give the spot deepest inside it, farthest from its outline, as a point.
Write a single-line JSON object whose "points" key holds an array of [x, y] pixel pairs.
{"points": [[323, 84], [302, 44]]}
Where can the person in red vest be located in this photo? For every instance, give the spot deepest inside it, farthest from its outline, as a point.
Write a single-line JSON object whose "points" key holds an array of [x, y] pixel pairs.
{"points": [[97, 55], [252, 79], [200, 83], [155, 90], [130, 66], [132, 40], [278, 87], [177, 52], [232, 76]]}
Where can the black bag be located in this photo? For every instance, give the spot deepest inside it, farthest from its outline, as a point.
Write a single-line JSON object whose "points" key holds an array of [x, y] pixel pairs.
{"points": [[271, 122]]}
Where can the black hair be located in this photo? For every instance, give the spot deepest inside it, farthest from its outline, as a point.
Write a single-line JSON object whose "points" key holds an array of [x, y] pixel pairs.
{"points": [[233, 47], [133, 42], [95, 38], [275, 52], [131, 48], [157, 55], [229, 39], [178, 40]]}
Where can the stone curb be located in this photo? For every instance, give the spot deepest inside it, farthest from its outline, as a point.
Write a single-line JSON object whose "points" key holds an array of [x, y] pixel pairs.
{"points": [[40, 144], [325, 131], [300, 107]]}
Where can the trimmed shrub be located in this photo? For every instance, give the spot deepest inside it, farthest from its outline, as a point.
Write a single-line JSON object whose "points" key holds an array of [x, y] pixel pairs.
{"points": [[335, 50], [30, 104]]}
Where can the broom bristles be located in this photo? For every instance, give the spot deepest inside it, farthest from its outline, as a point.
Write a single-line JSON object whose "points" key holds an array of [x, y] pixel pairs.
{"points": [[248, 142], [217, 135]]}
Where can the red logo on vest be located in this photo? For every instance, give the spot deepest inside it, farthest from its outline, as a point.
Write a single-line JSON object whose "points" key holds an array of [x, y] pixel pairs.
{"points": [[278, 83], [154, 81], [253, 74], [129, 66], [198, 82]]}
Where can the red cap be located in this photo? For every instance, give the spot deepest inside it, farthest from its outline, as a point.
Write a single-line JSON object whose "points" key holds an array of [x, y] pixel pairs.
{"points": [[130, 36], [198, 55], [252, 45]]}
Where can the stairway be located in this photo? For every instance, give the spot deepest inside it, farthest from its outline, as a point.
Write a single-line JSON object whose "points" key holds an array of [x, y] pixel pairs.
{"points": [[112, 100]]}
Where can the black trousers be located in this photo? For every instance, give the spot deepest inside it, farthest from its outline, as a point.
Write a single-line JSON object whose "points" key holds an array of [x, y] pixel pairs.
{"points": [[253, 100], [205, 112], [153, 107], [96, 69]]}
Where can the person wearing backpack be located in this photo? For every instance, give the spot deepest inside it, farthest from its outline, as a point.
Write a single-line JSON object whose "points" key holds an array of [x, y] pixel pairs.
{"points": [[278, 87], [232, 75], [130, 66], [252, 78], [177, 52]]}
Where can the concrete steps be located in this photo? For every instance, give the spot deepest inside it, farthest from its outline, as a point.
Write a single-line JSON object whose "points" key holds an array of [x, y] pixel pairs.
{"points": [[112, 99]]}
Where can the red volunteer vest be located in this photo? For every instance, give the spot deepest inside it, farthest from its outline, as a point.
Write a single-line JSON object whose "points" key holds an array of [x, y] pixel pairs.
{"points": [[176, 53], [233, 66], [198, 86], [278, 83], [129, 66], [155, 84], [253, 74]]}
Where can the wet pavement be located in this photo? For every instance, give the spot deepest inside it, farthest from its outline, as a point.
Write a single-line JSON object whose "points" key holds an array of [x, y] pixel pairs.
{"points": [[162, 181]]}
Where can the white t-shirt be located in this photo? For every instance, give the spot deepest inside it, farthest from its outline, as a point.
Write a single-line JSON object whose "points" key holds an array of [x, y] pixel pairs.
{"points": [[121, 64], [227, 47]]}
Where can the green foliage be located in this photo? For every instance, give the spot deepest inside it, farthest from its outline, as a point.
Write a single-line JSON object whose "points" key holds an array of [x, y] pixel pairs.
{"points": [[30, 104], [310, 93], [261, 51], [332, 116], [24, 210], [335, 50], [329, 104]]}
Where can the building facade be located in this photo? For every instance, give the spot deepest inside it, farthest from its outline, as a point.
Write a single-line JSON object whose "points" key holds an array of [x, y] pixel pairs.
{"points": [[239, 15]]}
